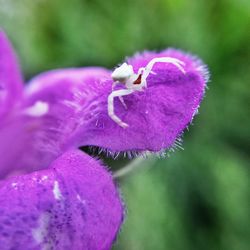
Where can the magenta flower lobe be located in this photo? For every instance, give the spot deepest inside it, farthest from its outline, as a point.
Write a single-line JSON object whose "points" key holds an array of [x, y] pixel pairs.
{"points": [[53, 196]]}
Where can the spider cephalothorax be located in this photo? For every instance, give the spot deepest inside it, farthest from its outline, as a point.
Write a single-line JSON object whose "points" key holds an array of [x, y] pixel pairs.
{"points": [[134, 82]]}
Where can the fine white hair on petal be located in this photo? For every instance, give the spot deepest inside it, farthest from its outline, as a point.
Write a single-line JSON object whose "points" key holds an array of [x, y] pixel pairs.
{"points": [[38, 109]]}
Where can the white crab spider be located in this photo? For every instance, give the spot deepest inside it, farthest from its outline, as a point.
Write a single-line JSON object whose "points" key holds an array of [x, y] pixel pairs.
{"points": [[134, 82]]}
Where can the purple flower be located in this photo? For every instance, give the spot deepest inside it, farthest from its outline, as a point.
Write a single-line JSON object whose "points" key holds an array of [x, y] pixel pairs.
{"points": [[55, 196], [72, 203]]}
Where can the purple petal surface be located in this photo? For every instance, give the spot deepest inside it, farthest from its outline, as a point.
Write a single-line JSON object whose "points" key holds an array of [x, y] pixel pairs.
{"points": [[156, 116], [25, 145], [10, 77], [72, 205], [30, 143]]}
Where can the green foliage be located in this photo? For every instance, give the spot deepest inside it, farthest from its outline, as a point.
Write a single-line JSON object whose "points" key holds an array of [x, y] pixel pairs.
{"points": [[198, 198]]}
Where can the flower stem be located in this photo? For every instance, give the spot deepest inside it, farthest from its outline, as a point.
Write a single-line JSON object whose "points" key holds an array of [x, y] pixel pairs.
{"points": [[140, 161]]}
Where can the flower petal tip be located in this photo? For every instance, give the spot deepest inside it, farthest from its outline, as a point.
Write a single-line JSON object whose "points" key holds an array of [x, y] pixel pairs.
{"points": [[156, 115]]}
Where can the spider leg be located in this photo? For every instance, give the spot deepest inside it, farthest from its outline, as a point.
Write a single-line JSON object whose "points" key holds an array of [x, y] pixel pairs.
{"points": [[114, 84], [120, 98], [113, 116], [176, 62], [122, 101], [142, 69]]}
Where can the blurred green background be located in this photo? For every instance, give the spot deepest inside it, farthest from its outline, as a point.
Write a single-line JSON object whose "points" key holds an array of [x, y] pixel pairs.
{"points": [[197, 198]]}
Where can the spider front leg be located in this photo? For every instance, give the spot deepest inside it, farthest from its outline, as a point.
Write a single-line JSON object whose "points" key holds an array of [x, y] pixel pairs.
{"points": [[141, 84], [120, 98], [142, 69], [113, 116], [176, 62]]}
